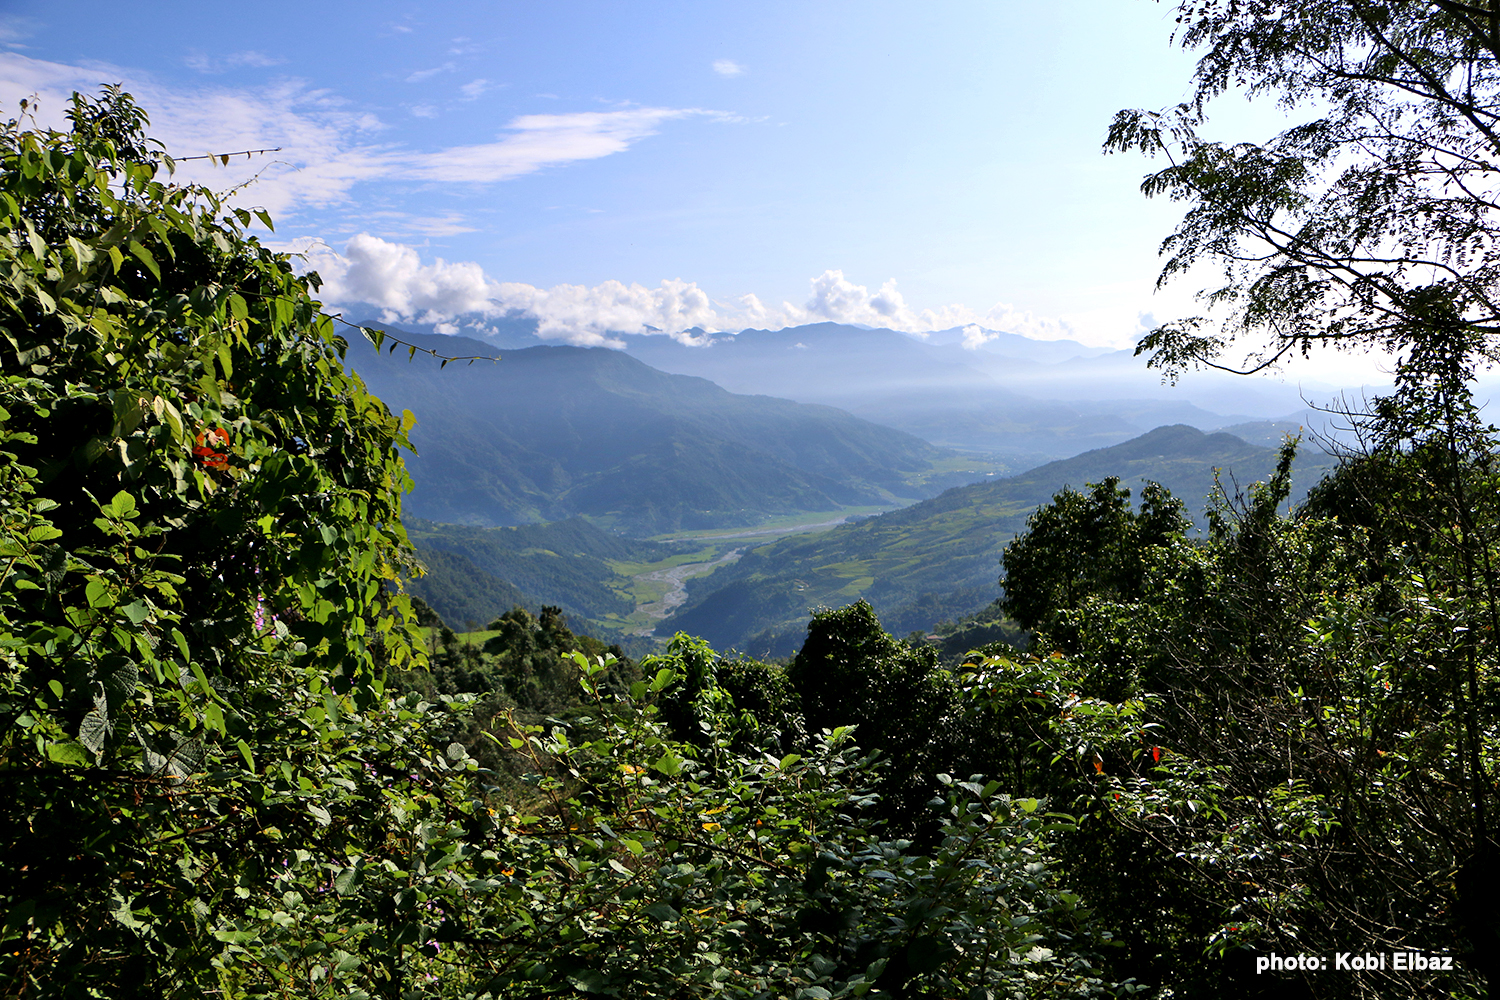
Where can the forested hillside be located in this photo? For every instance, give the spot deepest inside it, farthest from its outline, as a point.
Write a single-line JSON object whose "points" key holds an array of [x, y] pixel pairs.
{"points": [[475, 574], [554, 432], [940, 559]]}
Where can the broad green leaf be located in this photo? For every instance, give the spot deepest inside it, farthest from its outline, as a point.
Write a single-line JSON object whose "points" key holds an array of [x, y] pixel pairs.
{"points": [[68, 753], [347, 880], [93, 732]]}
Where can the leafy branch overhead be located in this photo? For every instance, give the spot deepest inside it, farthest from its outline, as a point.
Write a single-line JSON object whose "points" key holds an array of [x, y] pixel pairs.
{"points": [[1370, 224]]}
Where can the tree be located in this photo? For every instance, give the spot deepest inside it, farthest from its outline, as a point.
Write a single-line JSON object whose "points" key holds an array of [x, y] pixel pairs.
{"points": [[1303, 765], [1085, 545], [901, 703], [1371, 225], [200, 527]]}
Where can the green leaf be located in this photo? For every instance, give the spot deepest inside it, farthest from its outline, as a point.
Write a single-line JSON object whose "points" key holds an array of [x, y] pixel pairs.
{"points": [[182, 645], [144, 256], [68, 753], [662, 913], [347, 880], [121, 506], [93, 732], [669, 764], [588, 981]]}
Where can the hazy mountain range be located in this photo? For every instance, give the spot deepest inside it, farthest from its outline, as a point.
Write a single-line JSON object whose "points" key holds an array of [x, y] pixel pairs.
{"points": [[554, 432], [593, 438], [1028, 401]]}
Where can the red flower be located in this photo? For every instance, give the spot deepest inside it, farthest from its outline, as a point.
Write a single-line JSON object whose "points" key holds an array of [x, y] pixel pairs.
{"points": [[213, 448], [1156, 754]]}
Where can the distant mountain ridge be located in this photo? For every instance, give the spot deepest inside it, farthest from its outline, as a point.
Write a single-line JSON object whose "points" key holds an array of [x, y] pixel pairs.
{"points": [[1010, 395], [1029, 400], [941, 558], [549, 433]]}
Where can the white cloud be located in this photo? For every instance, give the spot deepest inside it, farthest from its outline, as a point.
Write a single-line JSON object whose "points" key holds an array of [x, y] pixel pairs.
{"points": [[325, 144], [537, 141], [425, 74], [392, 278], [975, 336], [474, 88], [1008, 319], [207, 64], [728, 67]]}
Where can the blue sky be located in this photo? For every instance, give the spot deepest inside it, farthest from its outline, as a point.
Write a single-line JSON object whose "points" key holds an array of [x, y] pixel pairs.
{"points": [[618, 166]]}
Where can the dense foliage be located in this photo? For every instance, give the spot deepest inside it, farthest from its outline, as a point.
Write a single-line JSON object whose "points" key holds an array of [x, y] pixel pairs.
{"points": [[200, 511]]}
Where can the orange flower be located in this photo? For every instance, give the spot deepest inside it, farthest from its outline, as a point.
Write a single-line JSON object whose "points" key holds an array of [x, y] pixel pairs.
{"points": [[213, 448]]}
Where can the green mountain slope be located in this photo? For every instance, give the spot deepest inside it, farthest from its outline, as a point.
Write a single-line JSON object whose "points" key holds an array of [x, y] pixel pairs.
{"points": [[549, 433], [941, 558], [475, 574]]}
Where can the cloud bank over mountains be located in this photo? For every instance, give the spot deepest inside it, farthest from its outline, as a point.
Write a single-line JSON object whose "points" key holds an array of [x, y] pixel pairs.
{"points": [[391, 279], [326, 148]]}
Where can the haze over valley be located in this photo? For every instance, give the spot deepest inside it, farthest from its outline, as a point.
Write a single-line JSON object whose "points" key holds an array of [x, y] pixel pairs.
{"points": [[662, 501]]}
